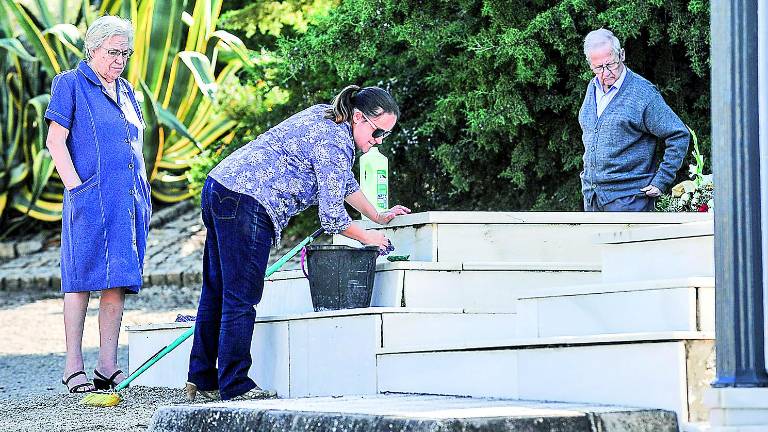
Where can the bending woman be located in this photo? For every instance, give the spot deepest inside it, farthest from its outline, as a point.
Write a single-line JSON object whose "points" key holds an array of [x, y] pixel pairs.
{"points": [[247, 201]]}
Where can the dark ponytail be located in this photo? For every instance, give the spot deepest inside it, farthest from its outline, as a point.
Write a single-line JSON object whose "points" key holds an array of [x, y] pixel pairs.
{"points": [[371, 101]]}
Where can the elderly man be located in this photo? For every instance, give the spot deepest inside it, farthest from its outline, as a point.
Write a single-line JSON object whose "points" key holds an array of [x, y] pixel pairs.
{"points": [[622, 118]]}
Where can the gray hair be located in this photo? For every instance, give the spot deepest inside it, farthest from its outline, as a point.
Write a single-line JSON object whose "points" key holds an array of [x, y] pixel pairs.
{"points": [[104, 28], [600, 38]]}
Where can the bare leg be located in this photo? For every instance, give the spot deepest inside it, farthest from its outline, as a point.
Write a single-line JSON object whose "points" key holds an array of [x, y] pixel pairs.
{"points": [[110, 318], [75, 306]]}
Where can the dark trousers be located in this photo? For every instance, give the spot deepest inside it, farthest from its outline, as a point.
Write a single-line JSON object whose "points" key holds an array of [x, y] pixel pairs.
{"points": [[237, 245], [632, 203]]}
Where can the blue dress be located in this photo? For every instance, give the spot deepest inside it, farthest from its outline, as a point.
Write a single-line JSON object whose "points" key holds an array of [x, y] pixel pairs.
{"points": [[105, 220]]}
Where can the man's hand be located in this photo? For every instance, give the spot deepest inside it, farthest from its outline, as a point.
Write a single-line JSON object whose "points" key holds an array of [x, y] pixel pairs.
{"points": [[651, 191], [386, 216]]}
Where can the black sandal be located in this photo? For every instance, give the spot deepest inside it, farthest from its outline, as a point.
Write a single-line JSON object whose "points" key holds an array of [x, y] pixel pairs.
{"points": [[104, 383], [80, 388]]}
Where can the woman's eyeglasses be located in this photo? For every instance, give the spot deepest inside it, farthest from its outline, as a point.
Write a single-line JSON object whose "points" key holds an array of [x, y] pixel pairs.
{"points": [[377, 131]]}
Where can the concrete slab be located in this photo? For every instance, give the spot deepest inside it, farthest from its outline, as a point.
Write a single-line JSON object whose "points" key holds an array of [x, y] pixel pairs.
{"points": [[513, 236], [393, 412]]}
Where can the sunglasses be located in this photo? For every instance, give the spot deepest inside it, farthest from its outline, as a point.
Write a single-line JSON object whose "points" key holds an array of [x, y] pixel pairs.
{"points": [[377, 131]]}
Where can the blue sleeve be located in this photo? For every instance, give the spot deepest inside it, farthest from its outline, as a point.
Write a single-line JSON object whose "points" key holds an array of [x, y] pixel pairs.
{"points": [[332, 168], [352, 185], [61, 108]]}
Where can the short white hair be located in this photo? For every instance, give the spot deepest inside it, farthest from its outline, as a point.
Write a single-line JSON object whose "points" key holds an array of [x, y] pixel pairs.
{"points": [[600, 38], [104, 28]]}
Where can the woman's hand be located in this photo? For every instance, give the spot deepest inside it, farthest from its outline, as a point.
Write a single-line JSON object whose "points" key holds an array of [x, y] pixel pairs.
{"points": [[385, 217], [375, 238]]}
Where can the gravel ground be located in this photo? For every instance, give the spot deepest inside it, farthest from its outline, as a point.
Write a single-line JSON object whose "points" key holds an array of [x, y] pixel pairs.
{"points": [[64, 413], [32, 357]]}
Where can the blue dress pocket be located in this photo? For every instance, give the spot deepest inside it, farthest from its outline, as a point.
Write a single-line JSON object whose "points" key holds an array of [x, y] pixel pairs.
{"points": [[86, 231]]}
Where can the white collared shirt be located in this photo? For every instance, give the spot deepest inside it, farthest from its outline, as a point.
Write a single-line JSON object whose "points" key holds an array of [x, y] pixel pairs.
{"points": [[603, 98]]}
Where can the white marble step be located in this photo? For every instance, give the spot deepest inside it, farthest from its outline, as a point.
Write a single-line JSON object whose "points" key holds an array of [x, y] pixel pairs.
{"points": [[511, 236], [683, 304], [667, 370], [322, 353], [660, 252], [469, 286]]}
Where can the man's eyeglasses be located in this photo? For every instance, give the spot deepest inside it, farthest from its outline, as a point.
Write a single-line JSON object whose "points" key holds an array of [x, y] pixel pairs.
{"points": [[377, 131], [613, 67], [116, 52]]}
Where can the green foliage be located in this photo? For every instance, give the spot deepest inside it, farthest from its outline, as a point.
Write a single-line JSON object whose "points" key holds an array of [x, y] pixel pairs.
{"points": [[490, 90], [255, 99], [179, 62], [263, 21]]}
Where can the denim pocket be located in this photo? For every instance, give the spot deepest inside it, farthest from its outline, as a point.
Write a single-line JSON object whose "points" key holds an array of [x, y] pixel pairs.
{"points": [[224, 204], [86, 230]]}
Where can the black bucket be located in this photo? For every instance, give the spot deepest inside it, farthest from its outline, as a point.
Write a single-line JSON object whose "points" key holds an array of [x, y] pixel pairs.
{"points": [[341, 277]]}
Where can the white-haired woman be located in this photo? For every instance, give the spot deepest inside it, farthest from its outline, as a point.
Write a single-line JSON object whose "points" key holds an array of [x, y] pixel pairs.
{"points": [[95, 138]]}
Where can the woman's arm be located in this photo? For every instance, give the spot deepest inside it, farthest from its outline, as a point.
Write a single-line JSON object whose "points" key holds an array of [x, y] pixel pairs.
{"points": [[57, 146], [365, 237], [360, 203]]}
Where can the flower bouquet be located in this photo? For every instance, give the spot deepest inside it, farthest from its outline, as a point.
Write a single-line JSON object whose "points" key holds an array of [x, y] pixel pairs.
{"points": [[695, 195]]}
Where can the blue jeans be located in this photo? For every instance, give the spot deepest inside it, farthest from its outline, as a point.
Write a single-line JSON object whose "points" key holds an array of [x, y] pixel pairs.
{"points": [[632, 203], [237, 244]]}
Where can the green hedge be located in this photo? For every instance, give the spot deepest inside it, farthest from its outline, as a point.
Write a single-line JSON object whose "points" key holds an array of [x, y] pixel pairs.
{"points": [[490, 90]]}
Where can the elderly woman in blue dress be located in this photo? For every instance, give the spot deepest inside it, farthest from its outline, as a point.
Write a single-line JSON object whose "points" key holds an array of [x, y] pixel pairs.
{"points": [[95, 139], [247, 201]]}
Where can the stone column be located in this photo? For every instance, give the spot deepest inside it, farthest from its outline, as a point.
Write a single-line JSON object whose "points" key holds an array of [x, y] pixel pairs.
{"points": [[739, 397], [762, 88]]}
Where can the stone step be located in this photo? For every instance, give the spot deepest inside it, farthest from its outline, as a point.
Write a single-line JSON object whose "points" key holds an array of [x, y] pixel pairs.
{"points": [[660, 252], [376, 350], [667, 370], [511, 236], [416, 413], [321, 353], [469, 286], [684, 304]]}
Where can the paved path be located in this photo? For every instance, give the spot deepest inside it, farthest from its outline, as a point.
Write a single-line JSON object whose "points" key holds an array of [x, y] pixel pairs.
{"points": [[174, 254]]}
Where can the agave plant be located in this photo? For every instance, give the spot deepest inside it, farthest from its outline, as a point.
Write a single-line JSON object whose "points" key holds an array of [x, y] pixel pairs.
{"points": [[179, 61], [25, 166]]}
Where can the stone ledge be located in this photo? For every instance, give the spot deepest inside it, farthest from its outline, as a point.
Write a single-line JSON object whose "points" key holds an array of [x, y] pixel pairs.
{"points": [[556, 342], [616, 287], [654, 233], [588, 218], [393, 412]]}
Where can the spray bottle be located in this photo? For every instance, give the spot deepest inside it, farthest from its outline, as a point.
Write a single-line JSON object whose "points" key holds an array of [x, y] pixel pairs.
{"points": [[374, 179]]}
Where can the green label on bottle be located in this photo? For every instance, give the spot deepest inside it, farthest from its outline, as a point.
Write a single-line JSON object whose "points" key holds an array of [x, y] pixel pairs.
{"points": [[382, 198]]}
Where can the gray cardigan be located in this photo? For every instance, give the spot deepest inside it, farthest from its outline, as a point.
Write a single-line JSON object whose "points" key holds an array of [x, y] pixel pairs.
{"points": [[620, 146]]}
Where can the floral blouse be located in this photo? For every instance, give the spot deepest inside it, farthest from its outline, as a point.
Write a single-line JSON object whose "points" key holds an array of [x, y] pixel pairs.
{"points": [[303, 161]]}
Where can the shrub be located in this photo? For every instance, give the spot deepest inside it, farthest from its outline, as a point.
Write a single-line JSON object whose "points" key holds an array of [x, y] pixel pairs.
{"points": [[490, 90]]}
